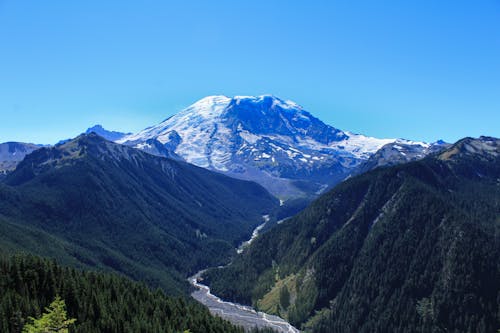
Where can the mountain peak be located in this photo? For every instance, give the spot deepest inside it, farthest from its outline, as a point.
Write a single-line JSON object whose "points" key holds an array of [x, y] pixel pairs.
{"points": [[95, 128], [11, 153], [265, 138], [210, 100], [206, 108], [269, 101], [85, 147], [108, 135], [484, 146], [215, 105], [84, 139]]}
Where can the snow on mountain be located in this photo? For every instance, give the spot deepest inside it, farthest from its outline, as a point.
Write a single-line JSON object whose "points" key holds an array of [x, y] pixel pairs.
{"points": [[192, 133], [400, 151], [262, 138]]}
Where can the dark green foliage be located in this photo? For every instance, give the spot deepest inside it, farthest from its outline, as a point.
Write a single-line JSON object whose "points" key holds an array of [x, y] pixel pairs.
{"points": [[99, 302], [410, 248], [284, 297], [93, 203]]}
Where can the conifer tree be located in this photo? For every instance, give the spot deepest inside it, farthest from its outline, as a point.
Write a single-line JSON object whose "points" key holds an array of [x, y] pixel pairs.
{"points": [[53, 321]]}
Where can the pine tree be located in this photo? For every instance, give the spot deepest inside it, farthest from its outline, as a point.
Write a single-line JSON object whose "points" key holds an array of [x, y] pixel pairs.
{"points": [[53, 321]]}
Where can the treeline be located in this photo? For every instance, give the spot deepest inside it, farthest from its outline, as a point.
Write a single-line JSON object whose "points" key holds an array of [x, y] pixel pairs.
{"points": [[99, 302]]}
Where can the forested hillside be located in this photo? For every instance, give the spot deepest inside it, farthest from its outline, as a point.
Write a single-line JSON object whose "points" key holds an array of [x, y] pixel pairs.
{"points": [[96, 204], [409, 248], [99, 302]]}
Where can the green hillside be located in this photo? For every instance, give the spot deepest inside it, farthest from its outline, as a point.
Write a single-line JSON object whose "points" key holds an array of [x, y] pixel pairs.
{"points": [[95, 204], [410, 248], [98, 302]]}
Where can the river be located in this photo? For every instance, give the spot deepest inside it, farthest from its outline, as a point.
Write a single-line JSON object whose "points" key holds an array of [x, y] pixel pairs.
{"points": [[238, 314]]}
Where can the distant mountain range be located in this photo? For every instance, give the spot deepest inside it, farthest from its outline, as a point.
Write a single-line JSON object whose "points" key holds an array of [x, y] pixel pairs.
{"points": [[264, 139], [97, 204], [11, 153], [399, 152], [409, 248], [102, 132], [108, 135], [268, 140]]}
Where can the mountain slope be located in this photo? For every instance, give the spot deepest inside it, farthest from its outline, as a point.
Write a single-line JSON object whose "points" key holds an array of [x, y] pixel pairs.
{"points": [[11, 153], [266, 139], [398, 152], [110, 206], [98, 302], [409, 248]]}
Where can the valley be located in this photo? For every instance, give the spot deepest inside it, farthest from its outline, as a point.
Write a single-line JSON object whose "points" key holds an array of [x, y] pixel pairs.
{"points": [[137, 208], [249, 166], [95, 204], [396, 242], [237, 314]]}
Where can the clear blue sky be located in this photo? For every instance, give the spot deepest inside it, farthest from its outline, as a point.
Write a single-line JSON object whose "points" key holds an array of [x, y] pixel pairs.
{"points": [[415, 69]]}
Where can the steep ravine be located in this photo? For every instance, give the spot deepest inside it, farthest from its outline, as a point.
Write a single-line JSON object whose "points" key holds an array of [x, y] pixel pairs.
{"points": [[238, 314]]}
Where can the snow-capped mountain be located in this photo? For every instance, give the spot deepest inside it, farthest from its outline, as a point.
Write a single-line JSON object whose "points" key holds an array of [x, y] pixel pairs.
{"points": [[400, 151], [266, 139]]}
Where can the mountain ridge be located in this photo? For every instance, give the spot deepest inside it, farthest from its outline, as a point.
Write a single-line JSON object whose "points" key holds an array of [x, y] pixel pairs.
{"points": [[11, 153], [109, 206], [408, 248], [266, 139], [272, 141], [108, 135]]}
